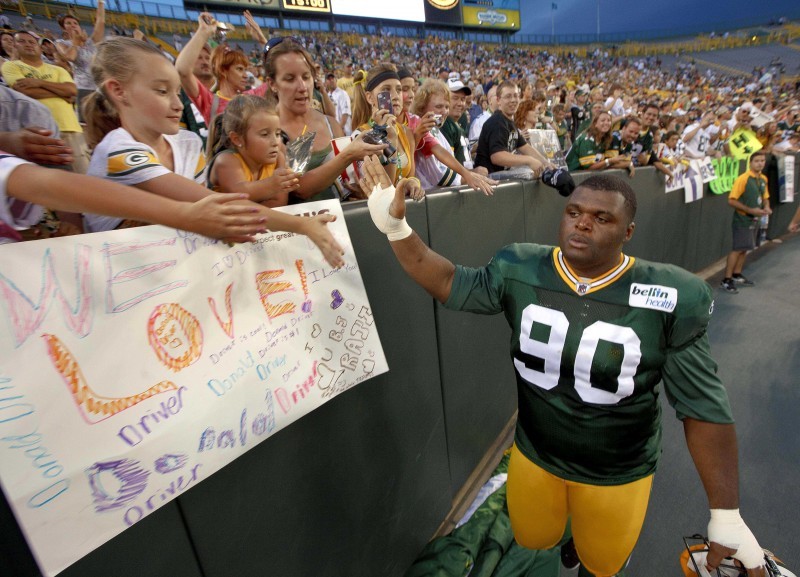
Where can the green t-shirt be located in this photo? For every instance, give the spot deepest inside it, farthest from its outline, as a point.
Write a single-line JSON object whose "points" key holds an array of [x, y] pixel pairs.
{"points": [[751, 190], [456, 136], [589, 356]]}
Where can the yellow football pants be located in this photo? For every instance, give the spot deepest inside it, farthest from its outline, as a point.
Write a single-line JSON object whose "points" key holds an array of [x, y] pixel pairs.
{"points": [[606, 520]]}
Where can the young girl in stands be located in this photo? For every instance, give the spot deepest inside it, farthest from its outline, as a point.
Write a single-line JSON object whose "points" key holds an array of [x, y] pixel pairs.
{"points": [[135, 115], [245, 151], [367, 113]]}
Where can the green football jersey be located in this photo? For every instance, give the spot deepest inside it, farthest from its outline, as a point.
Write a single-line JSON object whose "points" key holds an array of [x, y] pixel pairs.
{"points": [[589, 356], [584, 153]]}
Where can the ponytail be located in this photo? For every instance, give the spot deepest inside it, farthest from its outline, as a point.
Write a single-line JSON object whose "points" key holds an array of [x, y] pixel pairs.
{"points": [[101, 117], [362, 111], [218, 139]]}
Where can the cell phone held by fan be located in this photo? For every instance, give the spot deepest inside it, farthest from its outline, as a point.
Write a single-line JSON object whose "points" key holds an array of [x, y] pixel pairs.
{"points": [[385, 101]]}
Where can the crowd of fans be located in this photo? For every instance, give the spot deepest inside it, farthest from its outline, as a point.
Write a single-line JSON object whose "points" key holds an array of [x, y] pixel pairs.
{"points": [[290, 120]]}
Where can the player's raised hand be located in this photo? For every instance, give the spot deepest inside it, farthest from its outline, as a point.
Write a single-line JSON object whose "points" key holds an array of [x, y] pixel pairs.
{"points": [[387, 205]]}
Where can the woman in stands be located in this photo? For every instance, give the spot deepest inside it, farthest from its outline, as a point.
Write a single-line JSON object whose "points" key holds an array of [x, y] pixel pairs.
{"points": [[7, 49], [229, 68], [368, 113], [79, 49], [135, 116], [419, 125], [588, 150], [290, 79]]}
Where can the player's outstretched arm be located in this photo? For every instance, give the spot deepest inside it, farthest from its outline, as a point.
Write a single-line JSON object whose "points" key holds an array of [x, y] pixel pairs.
{"points": [[387, 206], [714, 452]]}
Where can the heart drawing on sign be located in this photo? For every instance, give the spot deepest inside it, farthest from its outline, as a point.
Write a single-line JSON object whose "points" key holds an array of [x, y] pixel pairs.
{"points": [[338, 299]]}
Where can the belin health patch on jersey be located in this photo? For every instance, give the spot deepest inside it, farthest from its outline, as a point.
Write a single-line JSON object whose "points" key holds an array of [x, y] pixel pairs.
{"points": [[653, 296]]}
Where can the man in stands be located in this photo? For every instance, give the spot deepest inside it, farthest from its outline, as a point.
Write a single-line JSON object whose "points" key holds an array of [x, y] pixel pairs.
{"points": [[620, 153], [192, 119], [477, 124], [451, 129], [579, 113], [340, 101], [500, 145], [345, 81], [643, 147], [699, 135], [52, 86]]}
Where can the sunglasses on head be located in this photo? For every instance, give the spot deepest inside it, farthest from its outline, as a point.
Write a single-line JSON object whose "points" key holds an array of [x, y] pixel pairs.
{"points": [[273, 42]]}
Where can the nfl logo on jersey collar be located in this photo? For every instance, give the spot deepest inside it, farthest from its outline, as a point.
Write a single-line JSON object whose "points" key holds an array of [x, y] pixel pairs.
{"points": [[583, 286]]}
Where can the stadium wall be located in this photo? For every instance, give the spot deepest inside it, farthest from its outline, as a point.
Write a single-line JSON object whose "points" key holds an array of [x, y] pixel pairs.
{"points": [[357, 487]]}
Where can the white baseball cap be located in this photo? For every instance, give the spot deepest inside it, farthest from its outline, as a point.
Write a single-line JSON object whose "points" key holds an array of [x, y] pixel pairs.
{"points": [[455, 85]]}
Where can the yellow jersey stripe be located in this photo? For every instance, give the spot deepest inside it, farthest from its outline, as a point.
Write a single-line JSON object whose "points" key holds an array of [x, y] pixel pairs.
{"points": [[582, 287]]}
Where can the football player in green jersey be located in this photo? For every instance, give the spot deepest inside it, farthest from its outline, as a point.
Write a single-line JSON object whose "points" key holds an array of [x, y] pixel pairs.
{"points": [[593, 333]]}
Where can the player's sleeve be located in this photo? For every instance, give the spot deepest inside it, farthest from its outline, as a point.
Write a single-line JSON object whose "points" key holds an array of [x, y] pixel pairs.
{"points": [[766, 187], [477, 290], [691, 383]]}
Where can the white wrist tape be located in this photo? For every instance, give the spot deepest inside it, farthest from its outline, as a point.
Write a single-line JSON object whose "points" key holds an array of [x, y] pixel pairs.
{"points": [[727, 528], [378, 203]]}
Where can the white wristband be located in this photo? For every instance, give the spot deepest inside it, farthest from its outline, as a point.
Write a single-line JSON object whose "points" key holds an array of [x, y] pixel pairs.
{"points": [[378, 203], [727, 528]]}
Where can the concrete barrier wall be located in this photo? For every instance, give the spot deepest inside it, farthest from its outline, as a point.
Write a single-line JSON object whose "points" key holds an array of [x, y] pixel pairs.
{"points": [[358, 486]]}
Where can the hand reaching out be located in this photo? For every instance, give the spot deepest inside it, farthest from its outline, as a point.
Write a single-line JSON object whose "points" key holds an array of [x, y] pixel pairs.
{"points": [[283, 180], [37, 145], [316, 229], [480, 183], [224, 215], [253, 28]]}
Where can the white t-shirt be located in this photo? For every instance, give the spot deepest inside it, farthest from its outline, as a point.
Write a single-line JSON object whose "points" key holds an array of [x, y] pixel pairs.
{"points": [[477, 125], [14, 213], [121, 158], [697, 147], [427, 167], [341, 101]]}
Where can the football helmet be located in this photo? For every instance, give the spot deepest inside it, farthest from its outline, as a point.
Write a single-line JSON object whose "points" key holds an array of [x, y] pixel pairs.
{"points": [[693, 562]]}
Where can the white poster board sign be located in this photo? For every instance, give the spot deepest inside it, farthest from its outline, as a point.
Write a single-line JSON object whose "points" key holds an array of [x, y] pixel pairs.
{"points": [[691, 177], [136, 363], [786, 178]]}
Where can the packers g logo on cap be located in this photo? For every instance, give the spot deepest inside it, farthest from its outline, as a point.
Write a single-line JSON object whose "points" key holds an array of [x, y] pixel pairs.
{"points": [[443, 4]]}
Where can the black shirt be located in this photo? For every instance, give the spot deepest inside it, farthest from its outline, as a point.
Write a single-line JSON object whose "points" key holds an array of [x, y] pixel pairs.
{"points": [[498, 134]]}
